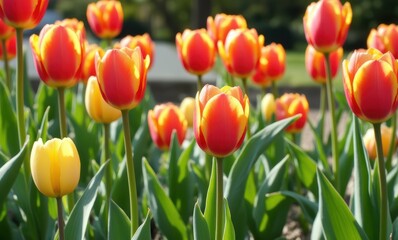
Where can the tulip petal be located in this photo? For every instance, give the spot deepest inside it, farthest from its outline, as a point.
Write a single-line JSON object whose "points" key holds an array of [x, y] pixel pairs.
{"points": [[40, 164], [69, 162]]}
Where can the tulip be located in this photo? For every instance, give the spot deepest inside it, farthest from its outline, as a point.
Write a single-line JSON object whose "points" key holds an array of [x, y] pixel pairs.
{"points": [[76, 25], [58, 55], [122, 76], [219, 27], [55, 166], [8, 42], [105, 18], [385, 38], [268, 107], [370, 84], [6, 31], [145, 43], [196, 51], [99, 110], [187, 108], [23, 14], [11, 48], [88, 67], [386, 138], [290, 104], [220, 119], [326, 24], [162, 121], [315, 63], [241, 52]]}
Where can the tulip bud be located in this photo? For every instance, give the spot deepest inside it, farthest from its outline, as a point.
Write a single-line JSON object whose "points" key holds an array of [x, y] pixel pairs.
{"points": [[290, 104], [220, 119], [145, 43], [187, 107], [162, 121], [24, 14], [99, 110], [370, 84], [219, 27], [384, 39], [105, 18], [55, 166], [326, 24], [268, 107], [315, 63], [370, 141], [121, 76]]}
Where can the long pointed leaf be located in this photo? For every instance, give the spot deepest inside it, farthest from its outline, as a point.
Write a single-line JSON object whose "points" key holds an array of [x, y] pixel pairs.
{"points": [[119, 223], [144, 231], [210, 210], [200, 228], [9, 143], [229, 231]]}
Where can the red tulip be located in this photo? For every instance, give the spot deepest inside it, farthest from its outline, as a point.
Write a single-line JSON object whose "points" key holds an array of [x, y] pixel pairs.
{"points": [[220, 119], [385, 38], [326, 24], [76, 25], [24, 14], [315, 63], [88, 68], [11, 48], [6, 31], [219, 27], [105, 18], [143, 41], [371, 85], [290, 104], [122, 75]]}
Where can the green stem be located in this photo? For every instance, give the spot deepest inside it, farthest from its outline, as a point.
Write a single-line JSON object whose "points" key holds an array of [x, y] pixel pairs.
{"points": [[220, 199], [108, 176], [61, 223], [6, 64], [393, 142], [245, 89], [331, 103], [322, 110], [199, 83], [274, 89], [130, 173], [382, 183]]}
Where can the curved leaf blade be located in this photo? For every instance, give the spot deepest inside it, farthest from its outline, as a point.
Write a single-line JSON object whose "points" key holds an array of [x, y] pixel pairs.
{"points": [[119, 223], [200, 228], [144, 231]]}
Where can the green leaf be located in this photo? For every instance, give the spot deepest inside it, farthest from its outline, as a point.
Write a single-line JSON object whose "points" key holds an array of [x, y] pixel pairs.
{"points": [[229, 231], [76, 226], [42, 132], [210, 210], [144, 231], [119, 223], [9, 171], [166, 215], [363, 207], [47, 97], [200, 228], [394, 235], [337, 220], [201, 183], [308, 207], [234, 190], [9, 142]]}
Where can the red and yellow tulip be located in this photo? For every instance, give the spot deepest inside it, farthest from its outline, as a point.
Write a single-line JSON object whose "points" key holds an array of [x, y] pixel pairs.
{"points": [[187, 108], [220, 119], [6, 31], [105, 18], [369, 141], [241, 52], [268, 106], [196, 51], [162, 121], [370, 84], [76, 25], [88, 68], [384, 38], [122, 76], [290, 104], [315, 63], [326, 24], [143, 41], [23, 14], [222, 23], [58, 55]]}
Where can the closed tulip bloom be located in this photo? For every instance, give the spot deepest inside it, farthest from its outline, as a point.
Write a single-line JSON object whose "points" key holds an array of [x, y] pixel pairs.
{"points": [[384, 38], [145, 43], [122, 76], [370, 84], [196, 51], [241, 52], [271, 66], [326, 24], [268, 106], [219, 27], [24, 14], [162, 121], [76, 25], [88, 67], [290, 104], [220, 119], [58, 55], [370, 142], [315, 63], [6, 31], [105, 18], [99, 110], [11, 48], [55, 166], [187, 106]]}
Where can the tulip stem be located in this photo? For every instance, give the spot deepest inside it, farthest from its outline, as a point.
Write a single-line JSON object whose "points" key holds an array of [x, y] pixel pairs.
{"points": [[130, 173], [108, 176], [331, 103], [244, 81], [274, 89], [393, 142], [61, 223], [200, 83], [382, 183], [321, 122], [6, 65], [220, 199]]}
